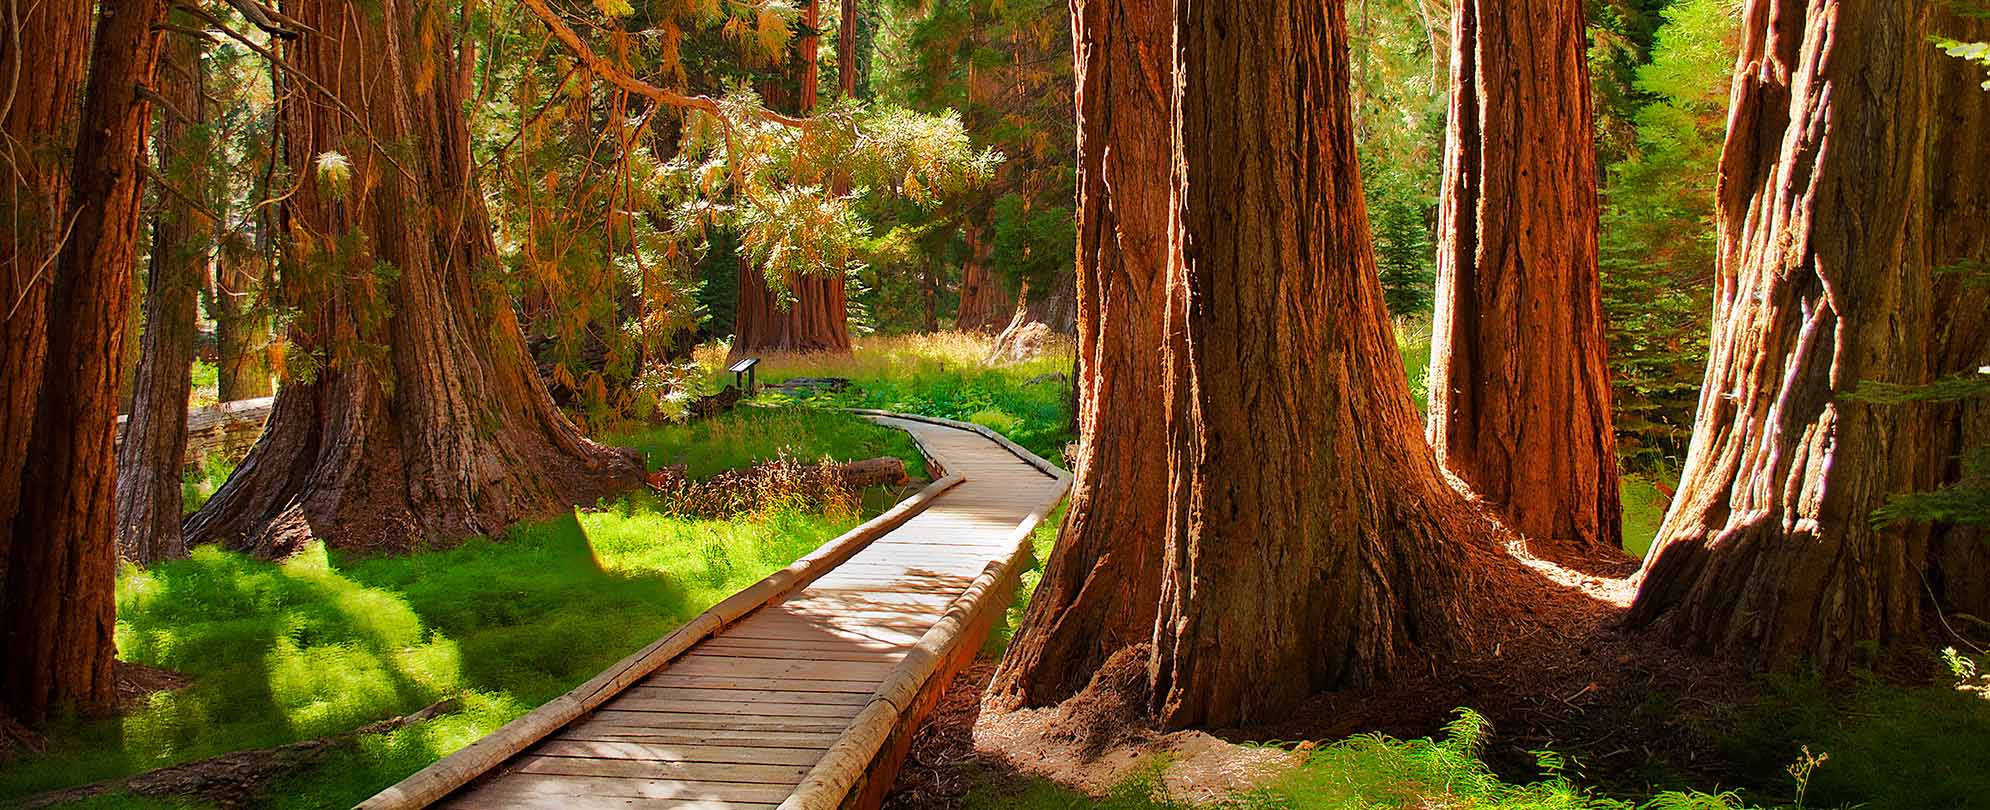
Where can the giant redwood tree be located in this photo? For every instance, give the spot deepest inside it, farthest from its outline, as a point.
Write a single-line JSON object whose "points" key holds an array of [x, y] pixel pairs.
{"points": [[155, 436], [413, 412], [1102, 585], [1823, 285], [60, 601], [1519, 391], [1312, 541]]}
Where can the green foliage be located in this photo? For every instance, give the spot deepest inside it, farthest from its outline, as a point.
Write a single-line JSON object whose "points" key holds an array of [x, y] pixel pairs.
{"points": [[1644, 509], [1657, 245], [747, 436]]}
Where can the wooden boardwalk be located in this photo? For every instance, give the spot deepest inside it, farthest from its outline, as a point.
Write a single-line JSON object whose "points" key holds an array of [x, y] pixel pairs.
{"points": [[745, 716]]}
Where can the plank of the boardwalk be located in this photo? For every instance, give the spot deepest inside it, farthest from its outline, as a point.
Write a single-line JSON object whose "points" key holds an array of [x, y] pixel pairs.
{"points": [[675, 680], [498, 801], [517, 786], [700, 772], [775, 694], [607, 718], [819, 653], [804, 740], [756, 708], [667, 752], [766, 668]]}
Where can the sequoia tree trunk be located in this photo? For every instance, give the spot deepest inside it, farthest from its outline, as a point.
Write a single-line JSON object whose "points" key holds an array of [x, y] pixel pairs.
{"points": [[1520, 392], [1960, 554], [1312, 540], [241, 327], [814, 315], [420, 417], [846, 49], [1040, 314], [1102, 585], [155, 437], [985, 305], [1768, 554], [61, 575], [46, 43]]}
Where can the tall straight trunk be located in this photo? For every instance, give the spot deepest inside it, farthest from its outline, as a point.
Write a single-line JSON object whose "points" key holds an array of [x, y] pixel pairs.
{"points": [[1102, 585], [1312, 540], [449, 431], [1960, 173], [985, 305], [929, 294], [155, 437], [61, 575], [45, 45], [809, 47], [1520, 393], [1768, 554], [814, 315], [846, 49]]}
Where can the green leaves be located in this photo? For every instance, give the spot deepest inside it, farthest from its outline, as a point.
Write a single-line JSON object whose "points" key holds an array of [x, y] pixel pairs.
{"points": [[614, 8]]}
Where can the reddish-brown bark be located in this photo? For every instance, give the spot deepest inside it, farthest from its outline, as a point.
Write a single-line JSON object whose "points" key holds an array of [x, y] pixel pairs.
{"points": [[240, 327], [421, 417], [60, 604], [1519, 393], [1102, 584], [1038, 316], [48, 49], [1823, 284], [1959, 555], [846, 49], [812, 314], [1312, 541], [985, 304], [155, 437]]}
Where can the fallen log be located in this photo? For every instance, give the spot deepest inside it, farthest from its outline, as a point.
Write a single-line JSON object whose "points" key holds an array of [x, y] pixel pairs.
{"points": [[239, 778], [225, 427]]}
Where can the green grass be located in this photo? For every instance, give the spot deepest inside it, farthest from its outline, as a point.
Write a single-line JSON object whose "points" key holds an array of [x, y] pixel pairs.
{"points": [[321, 644], [1644, 509], [206, 384], [749, 435], [1413, 343]]}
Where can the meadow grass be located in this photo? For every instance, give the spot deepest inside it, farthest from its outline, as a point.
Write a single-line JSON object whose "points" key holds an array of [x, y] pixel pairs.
{"points": [[321, 643], [1644, 509], [749, 435]]}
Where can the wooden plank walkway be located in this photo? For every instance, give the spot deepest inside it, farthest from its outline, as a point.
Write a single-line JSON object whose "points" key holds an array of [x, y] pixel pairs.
{"points": [[742, 718]]}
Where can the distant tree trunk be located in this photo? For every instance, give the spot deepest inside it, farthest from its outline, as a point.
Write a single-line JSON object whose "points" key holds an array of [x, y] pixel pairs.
{"points": [[929, 292], [815, 315], [1038, 316], [449, 431], [61, 577], [1959, 554], [846, 49], [241, 329], [1103, 582], [809, 46], [155, 437], [985, 305], [1312, 541], [1520, 392], [1768, 554], [47, 44]]}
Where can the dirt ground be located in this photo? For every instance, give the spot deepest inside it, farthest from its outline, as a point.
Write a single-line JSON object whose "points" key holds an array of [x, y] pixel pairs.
{"points": [[1556, 672]]}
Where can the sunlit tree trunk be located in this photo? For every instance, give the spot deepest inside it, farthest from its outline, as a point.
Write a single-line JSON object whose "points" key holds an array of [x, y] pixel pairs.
{"points": [[1102, 584], [155, 436], [985, 305], [1768, 554], [413, 413], [45, 44], [61, 589], [1312, 542], [1039, 314], [1520, 392]]}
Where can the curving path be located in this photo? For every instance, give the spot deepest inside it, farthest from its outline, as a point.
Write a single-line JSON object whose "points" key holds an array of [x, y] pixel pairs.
{"points": [[803, 702]]}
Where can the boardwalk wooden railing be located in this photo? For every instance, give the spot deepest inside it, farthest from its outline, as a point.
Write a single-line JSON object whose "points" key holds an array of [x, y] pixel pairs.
{"points": [[802, 690]]}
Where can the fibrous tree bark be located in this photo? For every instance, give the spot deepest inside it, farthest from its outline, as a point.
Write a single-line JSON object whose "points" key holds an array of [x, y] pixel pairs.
{"points": [[46, 44], [241, 328], [1312, 541], [985, 304], [813, 314], [1102, 584], [846, 48], [1960, 554], [1039, 315], [60, 600], [155, 436], [1823, 284], [1519, 393], [415, 414]]}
